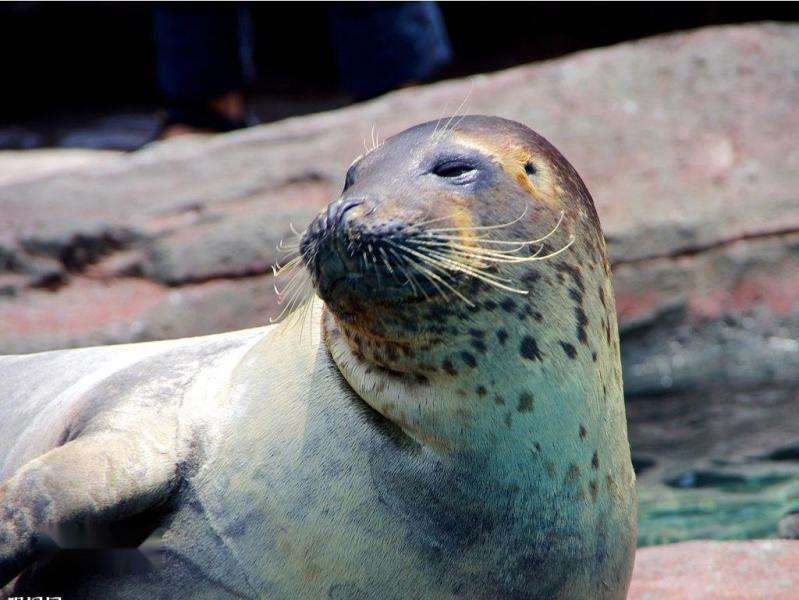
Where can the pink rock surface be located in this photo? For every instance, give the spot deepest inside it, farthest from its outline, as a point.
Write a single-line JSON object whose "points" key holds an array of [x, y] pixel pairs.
{"points": [[702, 570]]}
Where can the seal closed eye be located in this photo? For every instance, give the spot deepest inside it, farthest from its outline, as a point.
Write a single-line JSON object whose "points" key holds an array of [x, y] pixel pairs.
{"points": [[448, 423]]}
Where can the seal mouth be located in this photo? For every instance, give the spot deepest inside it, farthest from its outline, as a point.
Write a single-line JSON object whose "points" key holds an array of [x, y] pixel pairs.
{"points": [[380, 264]]}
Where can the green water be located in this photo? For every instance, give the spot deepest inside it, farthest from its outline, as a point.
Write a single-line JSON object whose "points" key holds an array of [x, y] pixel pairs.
{"points": [[668, 515], [718, 465]]}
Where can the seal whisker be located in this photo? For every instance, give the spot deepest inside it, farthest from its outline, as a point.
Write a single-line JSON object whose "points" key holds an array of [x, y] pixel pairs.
{"points": [[454, 265], [444, 244], [501, 242], [293, 278], [306, 313], [408, 275], [299, 295], [387, 262], [448, 259], [488, 255], [433, 278], [457, 112], [374, 266], [481, 227], [424, 223], [281, 269], [438, 121], [295, 294], [291, 284]]}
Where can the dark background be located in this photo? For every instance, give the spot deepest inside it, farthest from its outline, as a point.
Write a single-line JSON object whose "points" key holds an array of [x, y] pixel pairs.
{"points": [[71, 60]]}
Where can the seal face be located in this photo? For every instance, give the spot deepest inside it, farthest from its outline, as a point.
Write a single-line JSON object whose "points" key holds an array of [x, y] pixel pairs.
{"points": [[454, 427]]}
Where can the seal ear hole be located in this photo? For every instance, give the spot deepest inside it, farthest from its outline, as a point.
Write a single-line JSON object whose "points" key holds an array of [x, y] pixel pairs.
{"points": [[530, 169]]}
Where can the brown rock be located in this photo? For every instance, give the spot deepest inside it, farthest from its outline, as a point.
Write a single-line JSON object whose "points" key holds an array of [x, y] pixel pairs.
{"points": [[755, 570]]}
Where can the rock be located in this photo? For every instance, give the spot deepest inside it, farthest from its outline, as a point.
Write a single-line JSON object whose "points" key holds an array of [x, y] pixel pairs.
{"points": [[16, 167], [753, 570], [789, 525], [687, 142], [713, 476]]}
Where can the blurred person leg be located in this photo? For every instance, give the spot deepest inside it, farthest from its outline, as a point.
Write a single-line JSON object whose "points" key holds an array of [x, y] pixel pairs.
{"points": [[203, 62], [380, 46]]}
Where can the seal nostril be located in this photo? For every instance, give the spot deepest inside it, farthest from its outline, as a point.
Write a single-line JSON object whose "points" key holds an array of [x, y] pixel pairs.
{"points": [[340, 208]]}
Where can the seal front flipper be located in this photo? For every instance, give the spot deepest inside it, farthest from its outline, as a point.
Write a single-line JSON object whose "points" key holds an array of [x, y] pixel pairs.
{"points": [[97, 478]]}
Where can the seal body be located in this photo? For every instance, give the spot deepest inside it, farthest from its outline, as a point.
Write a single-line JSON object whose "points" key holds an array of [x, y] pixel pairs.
{"points": [[448, 423]]}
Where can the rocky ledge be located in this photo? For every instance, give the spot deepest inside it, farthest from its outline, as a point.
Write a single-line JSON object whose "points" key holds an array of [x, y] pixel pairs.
{"points": [[757, 570]]}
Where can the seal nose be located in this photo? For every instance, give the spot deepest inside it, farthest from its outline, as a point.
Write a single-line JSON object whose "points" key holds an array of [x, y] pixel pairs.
{"points": [[337, 210]]}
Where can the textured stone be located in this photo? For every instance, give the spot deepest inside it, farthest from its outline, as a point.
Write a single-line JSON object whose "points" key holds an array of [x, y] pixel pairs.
{"points": [[756, 570]]}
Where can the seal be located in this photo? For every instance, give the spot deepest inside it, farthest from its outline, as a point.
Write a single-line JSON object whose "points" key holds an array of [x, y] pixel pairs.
{"points": [[449, 423]]}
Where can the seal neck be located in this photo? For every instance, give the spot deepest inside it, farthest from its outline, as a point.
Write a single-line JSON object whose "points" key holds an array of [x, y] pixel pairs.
{"points": [[501, 383]]}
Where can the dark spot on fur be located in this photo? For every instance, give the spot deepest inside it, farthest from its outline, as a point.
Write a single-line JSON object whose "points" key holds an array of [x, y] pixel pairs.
{"points": [[408, 351], [537, 446], [508, 305], [478, 333], [595, 460], [449, 369], [530, 169], [481, 390], [479, 345], [499, 400], [421, 379], [468, 359], [582, 323], [570, 350], [592, 485], [602, 295], [502, 336], [593, 356], [572, 474], [526, 402], [549, 467], [583, 432], [575, 274], [490, 305], [576, 295], [538, 316], [531, 277], [529, 349]]}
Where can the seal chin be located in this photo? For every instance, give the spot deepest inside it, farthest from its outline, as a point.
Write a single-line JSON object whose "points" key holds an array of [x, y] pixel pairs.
{"points": [[377, 286]]}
